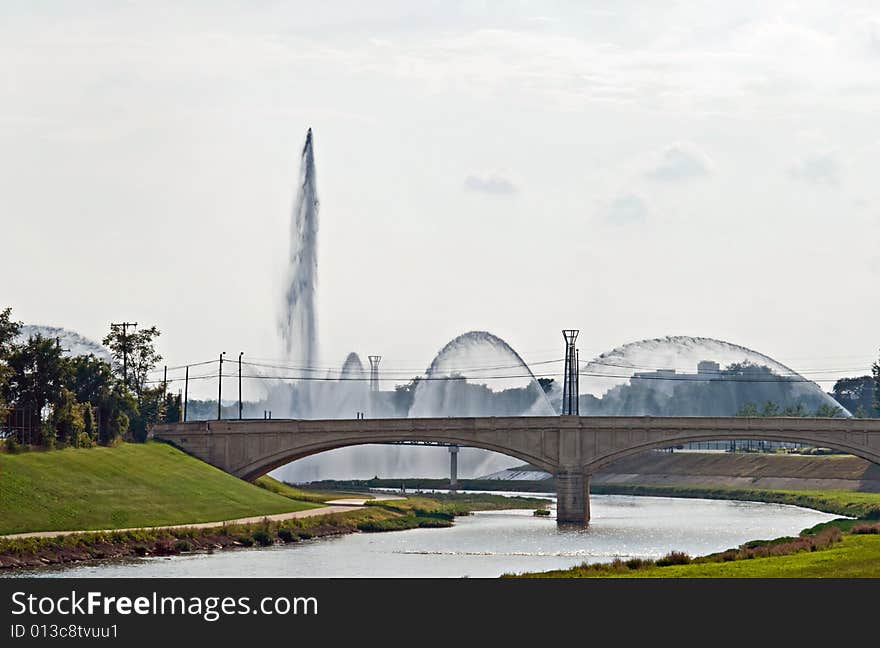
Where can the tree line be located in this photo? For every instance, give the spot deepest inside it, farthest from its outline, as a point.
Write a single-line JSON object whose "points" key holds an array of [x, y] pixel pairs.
{"points": [[50, 399]]}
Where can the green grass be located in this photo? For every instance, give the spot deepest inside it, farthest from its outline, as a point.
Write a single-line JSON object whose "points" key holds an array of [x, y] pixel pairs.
{"points": [[293, 492], [856, 556], [129, 485]]}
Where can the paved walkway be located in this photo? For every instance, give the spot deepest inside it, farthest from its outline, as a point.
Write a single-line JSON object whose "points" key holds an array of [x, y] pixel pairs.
{"points": [[323, 510], [333, 506]]}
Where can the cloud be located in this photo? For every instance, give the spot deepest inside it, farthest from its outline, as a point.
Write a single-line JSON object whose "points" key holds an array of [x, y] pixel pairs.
{"points": [[817, 169], [490, 184], [627, 208], [681, 161]]}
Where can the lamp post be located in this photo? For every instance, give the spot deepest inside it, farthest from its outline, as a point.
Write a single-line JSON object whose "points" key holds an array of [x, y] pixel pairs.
{"points": [[241, 353], [220, 385]]}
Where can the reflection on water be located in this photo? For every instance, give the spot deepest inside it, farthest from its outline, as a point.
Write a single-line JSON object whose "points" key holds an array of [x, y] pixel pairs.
{"points": [[491, 543]]}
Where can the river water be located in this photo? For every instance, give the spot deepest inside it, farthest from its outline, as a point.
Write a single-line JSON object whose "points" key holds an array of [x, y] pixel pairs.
{"points": [[490, 543]]}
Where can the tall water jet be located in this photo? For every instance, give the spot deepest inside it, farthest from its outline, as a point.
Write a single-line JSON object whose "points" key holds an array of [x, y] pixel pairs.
{"points": [[298, 320]]}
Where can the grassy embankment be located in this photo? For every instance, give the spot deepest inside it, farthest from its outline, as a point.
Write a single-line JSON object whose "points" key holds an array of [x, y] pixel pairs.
{"points": [[130, 485], [836, 549], [154, 484]]}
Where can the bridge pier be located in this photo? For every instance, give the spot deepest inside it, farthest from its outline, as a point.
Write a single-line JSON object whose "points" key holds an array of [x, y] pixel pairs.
{"points": [[572, 496]]}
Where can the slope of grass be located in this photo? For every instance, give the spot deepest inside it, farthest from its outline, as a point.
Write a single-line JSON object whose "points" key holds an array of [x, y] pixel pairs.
{"points": [[129, 485], [856, 556], [293, 492]]}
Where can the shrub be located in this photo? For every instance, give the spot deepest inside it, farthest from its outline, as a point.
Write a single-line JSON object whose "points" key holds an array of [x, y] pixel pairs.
{"points": [[182, 545], [637, 563], [286, 535], [245, 541], [263, 538], [674, 558], [866, 528], [12, 445]]}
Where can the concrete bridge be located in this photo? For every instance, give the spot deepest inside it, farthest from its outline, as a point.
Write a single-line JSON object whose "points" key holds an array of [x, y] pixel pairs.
{"points": [[570, 447]]}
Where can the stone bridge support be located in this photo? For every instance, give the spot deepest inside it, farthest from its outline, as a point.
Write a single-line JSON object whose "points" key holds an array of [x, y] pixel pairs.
{"points": [[572, 496]]}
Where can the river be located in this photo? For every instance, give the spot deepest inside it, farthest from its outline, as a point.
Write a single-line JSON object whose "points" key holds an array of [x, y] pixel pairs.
{"points": [[490, 543]]}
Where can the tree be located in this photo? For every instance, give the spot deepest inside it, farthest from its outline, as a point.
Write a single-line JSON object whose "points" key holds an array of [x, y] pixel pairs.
{"points": [[795, 411], [829, 411], [8, 331], [770, 409], [546, 384], [134, 355], [93, 382], [68, 422], [37, 380], [405, 394], [856, 394], [749, 409]]}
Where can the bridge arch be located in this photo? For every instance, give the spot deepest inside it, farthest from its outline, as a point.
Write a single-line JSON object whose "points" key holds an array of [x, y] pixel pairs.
{"points": [[854, 447], [269, 462]]}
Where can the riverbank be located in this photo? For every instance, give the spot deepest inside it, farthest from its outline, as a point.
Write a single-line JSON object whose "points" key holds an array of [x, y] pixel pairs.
{"points": [[837, 549], [375, 516]]}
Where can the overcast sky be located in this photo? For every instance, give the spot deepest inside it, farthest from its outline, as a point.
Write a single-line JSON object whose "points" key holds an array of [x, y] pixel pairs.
{"points": [[632, 169]]}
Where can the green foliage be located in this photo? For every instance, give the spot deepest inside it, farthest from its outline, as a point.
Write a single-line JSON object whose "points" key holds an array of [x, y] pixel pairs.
{"points": [[829, 411], [68, 401], [117, 427], [749, 409], [173, 408], [67, 419], [135, 349], [405, 394], [286, 535], [770, 408], [8, 331], [673, 558], [263, 538], [857, 395]]}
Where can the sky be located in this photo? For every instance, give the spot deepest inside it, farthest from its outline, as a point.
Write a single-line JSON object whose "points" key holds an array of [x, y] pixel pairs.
{"points": [[631, 170]]}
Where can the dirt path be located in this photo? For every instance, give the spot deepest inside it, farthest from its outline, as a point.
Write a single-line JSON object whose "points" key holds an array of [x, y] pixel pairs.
{"points": [[323, 510]]}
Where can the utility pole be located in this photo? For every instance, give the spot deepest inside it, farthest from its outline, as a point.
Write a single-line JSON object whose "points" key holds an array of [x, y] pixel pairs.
{"points": [[570, 391], [124, 326], [185, 392], [241, 353], [220, 385], [164, 404]]}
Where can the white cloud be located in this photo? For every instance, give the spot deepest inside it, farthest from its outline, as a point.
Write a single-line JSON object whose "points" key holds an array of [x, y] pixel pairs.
{"points": [[818, 169], [490, 184], [680, 161], [627, 208]]}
